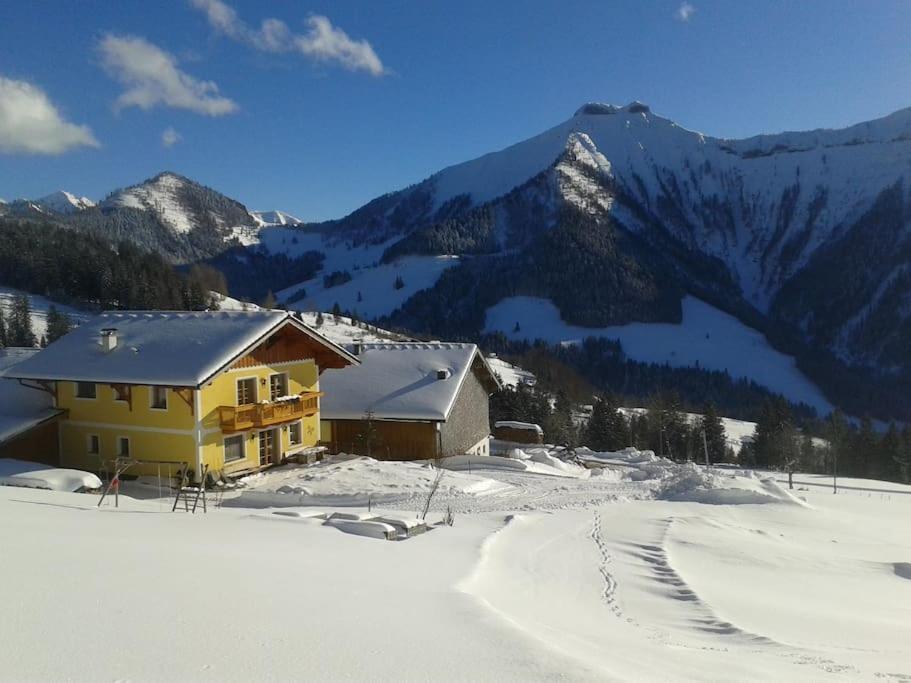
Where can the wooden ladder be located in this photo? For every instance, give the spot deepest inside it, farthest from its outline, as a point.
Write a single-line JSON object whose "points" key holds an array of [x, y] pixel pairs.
{"points": [[188, 493]]}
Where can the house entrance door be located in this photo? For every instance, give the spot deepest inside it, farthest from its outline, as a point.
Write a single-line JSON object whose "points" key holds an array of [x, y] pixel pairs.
{"points": [[269, 447]]}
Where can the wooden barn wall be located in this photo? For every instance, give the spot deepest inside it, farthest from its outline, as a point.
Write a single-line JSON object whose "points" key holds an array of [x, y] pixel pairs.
{"points": [[394, 440], [38, 444]]}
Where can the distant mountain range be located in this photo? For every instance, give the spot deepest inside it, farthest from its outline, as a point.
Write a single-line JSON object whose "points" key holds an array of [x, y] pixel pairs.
{"points": [[170, 214], [614, 216]]}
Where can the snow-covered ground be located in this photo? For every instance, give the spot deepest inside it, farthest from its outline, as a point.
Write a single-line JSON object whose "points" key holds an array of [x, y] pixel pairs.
{"points": [[39, 306], [617, 575], [511, 375], [707, 337]]}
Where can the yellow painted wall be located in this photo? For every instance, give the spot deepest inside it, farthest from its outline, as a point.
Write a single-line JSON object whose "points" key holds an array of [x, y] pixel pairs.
{"points": [[144, 445], [104, 408], [222, 391], [171, 434]]}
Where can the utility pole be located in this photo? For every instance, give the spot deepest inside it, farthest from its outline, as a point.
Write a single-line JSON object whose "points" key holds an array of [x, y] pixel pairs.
{"points": [[835, 470], [705, 447]]}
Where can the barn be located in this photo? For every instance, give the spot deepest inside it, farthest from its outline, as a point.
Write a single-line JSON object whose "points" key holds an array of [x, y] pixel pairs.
{"points": [[409, 401]]}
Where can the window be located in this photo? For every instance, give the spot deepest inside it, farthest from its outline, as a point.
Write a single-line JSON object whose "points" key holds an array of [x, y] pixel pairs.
{"points": [[93, 446], [234, 448], [159, 398], [85, 390], [246, 391], [123, 447], [296, 433], [278, 386]]}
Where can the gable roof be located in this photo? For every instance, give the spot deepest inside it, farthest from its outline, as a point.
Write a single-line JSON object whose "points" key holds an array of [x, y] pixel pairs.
{"points": [[169, 348], [21, 408], [399, 381]]}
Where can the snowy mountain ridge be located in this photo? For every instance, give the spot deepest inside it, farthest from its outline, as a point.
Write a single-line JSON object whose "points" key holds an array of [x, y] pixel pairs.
{"points": [[64, 202]]}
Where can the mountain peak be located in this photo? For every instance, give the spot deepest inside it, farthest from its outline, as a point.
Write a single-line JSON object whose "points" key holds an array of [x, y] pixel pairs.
{"points": [[64, 202], [604, 109]]}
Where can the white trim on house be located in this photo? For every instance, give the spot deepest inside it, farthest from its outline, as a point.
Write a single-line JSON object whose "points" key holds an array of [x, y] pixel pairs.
{"points": [[132, 428], [224, 448], [167, 402], [118, 451], [237, 382], [300, 425], [76, 395]]}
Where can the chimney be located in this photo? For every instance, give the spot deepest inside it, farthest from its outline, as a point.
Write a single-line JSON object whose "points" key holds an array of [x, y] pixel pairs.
{"points": [[109, 339], [358, 347], [443, 374]]}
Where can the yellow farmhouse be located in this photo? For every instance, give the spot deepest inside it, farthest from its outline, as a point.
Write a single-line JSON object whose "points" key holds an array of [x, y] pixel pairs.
{"points": [[231, 390]]}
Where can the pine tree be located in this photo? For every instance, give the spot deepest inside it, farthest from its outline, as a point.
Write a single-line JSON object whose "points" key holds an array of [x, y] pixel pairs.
{"points": [[715, 439], [19, 332], [336, 312], [269, 301], [2, 329], [319, 319], [58, 324], [399, 282]]}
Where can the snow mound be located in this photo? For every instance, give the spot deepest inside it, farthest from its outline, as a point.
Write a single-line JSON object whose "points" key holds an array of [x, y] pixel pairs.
{"points": [[356, 481], [691, 484], [535, 461], [35, 475], [902, 569]]}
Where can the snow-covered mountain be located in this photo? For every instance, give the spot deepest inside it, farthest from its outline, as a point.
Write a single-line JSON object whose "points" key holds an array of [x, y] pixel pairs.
{"points": [[617, 213], [64, 202], [263, 218], [182, 204]]}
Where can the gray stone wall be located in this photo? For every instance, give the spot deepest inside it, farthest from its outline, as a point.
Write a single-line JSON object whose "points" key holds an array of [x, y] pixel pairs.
{"points": [[469, 421]]}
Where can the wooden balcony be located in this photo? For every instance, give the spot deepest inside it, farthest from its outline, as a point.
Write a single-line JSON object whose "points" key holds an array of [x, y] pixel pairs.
{"points": [[268, 414]]}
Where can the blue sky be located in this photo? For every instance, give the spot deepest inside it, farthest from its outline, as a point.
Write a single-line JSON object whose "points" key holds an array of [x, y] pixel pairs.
{"points": [[343, 101]]}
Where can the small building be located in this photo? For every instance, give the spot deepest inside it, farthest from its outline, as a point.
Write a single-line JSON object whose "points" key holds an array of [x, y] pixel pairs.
{"points": [[232, 391], [410, 401], [28, 418], [518, 432]]}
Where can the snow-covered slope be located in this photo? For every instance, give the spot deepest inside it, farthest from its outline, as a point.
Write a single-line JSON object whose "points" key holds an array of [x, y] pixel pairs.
{"points": [[706, 338], [64, 202], [39, 306], [263, 218]]}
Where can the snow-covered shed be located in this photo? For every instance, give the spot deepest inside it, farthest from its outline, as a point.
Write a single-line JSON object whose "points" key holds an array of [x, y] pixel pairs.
{"points": [[518, 432], [409, 401], [28, 429]]}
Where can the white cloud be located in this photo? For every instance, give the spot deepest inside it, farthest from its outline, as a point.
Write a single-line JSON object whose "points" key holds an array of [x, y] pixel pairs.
{"points": [[322, 42], [170, 137], [151, 78], [685, 11], [31, 124]]}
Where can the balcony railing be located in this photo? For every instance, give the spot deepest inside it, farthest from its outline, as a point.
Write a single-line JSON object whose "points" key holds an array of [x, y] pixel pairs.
{"points": [[268, 414]]}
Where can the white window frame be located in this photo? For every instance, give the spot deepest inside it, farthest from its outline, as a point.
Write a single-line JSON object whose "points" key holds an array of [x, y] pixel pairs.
{"points": [[243, 448], [300, 425], [120, 453], [287, 383], [88, 444], [255, 389], [85, 398], [152, 406]]}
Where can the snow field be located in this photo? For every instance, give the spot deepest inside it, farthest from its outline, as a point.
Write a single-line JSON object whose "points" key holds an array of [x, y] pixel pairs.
{"points": [[707, 338]]}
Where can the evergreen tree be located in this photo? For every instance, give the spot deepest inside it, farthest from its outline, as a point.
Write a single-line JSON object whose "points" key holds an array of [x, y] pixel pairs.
{"points": [[837, 433], [269, 301], [19, 332], [319, 319], [607, 429], [336, 312], [865, 450], [2, 329], [712, 428], [903, 456], [399, 282], [58, 324]]}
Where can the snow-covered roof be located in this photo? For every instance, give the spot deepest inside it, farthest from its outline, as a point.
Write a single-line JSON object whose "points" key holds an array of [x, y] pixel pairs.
{"points": [[512, 424], [400, 381], [160, 347], [21, 408]]}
